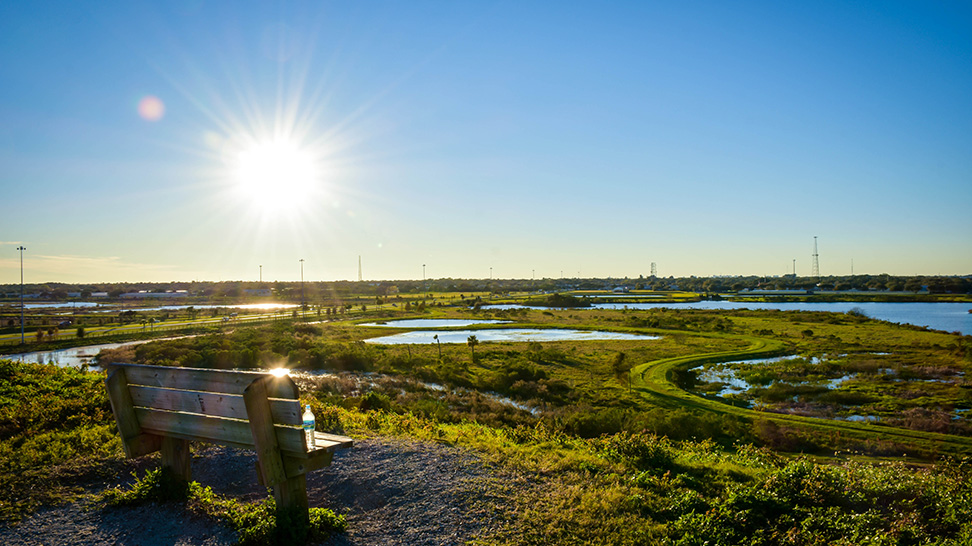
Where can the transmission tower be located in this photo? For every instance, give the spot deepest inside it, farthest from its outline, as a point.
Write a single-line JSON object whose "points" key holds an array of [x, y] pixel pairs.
{"points": [[359, 268], [654, 270], [815, 271]]}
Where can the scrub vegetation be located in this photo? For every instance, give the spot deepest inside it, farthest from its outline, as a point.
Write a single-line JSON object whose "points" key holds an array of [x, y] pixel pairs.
{"points": [[608, 442]]}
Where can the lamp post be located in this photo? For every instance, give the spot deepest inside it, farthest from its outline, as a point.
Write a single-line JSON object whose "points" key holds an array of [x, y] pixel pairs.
{"points": [[21, 249], [302, 287]]}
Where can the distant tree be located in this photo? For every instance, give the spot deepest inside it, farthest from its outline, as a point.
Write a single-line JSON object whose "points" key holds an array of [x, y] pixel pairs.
{"points": [[472, 341], [621, 367], [80, 331]]}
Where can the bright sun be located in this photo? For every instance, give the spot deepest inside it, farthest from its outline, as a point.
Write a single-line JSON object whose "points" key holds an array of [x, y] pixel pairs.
{"points": [[277, 174]]}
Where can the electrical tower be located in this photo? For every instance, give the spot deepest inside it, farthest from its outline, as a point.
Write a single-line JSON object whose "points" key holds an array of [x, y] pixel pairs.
{"points": [[654, 270], [815, 271], [359, 268]]}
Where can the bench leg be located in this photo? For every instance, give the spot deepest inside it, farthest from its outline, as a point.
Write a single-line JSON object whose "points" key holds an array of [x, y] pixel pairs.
{"points": [[291, 495], [175, 457]]}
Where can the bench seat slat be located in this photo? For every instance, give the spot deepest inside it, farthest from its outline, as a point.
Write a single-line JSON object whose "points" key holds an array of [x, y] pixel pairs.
{"points": [[325, 440], [285, 412], [196, 379]]}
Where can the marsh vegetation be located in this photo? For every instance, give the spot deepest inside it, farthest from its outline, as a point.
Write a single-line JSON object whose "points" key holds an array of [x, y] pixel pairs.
{"points": [[620, 441]]}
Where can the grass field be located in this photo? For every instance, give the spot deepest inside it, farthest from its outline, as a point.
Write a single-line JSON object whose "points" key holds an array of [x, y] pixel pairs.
{"points": [[607, 442]]}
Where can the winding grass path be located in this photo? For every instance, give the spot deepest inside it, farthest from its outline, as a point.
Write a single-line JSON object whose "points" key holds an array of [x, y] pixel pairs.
{"points": [[654, 381]]}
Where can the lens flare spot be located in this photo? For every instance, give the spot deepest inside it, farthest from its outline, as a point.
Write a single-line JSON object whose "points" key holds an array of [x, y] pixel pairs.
{"points": [[151, 108]]}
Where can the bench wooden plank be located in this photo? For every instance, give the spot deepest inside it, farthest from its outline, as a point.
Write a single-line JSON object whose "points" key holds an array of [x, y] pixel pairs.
{"points": [[284, 412], [296, 466], [330, 442], [135, 442], [234, 432], [264, 435], [176, 457], [197, 379]]}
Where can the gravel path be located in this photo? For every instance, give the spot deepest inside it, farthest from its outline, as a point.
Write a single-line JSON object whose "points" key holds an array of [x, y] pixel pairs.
{"points": [[393, 492]]}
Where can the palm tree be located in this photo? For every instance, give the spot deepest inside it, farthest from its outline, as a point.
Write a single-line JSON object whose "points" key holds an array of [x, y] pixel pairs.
{"points": [[621, 368], [472, 341]]}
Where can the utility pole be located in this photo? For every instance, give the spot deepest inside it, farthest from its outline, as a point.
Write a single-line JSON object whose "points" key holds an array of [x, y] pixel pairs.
{"points": [[21, 249], [301, 287], [815, 273], [261, 273]]}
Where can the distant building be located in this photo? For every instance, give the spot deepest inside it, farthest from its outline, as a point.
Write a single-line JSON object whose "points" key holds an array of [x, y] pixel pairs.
{"points": [[259, 292], [143, 294], [761, 292], [99, 294]]}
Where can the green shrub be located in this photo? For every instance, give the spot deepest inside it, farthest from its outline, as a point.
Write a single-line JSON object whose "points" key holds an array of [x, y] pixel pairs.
{"points": [[639, 451], [375, 401]]}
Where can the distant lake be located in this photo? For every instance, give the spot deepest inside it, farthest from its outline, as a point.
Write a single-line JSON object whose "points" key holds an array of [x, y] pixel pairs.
{"points": [[75, 356], [55, 305], [946, 316], [244, 306], [505, 334], [432, 323]]}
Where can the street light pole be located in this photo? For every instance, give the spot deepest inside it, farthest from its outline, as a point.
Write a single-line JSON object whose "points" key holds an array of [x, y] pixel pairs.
{"points": [[302, 287], [21, 249]]}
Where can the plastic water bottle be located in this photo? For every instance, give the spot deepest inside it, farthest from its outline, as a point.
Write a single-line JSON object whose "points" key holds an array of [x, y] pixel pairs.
{"points": [[309, 427]]}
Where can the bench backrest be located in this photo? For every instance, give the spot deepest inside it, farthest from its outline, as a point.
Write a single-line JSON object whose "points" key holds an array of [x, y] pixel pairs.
{"points": [[205, 405]]}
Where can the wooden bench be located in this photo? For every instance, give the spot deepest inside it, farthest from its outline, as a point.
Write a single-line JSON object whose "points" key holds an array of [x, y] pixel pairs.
{"points": [[164, 408]]}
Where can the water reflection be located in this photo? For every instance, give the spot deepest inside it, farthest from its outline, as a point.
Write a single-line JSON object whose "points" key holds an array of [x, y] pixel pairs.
{"points": [[946, 316], [510, 334], [433, 323]]}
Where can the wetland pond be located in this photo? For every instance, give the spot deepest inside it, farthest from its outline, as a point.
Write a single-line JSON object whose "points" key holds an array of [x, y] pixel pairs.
{"points": [[432, 323], [504, 334], [76, 356], [854, 387], [945, 316]]}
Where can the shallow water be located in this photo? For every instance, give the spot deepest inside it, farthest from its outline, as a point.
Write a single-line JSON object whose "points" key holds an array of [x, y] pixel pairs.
{"points": [[432, 323], [76, 356], [507, 334], [946, 316]]}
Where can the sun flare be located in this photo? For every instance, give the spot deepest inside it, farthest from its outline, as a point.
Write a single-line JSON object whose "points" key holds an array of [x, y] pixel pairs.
{"points": [[276, 174]]}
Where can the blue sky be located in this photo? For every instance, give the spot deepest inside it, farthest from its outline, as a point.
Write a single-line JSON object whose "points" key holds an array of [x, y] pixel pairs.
{"points": [[533, 138]]}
